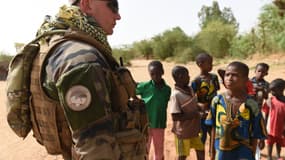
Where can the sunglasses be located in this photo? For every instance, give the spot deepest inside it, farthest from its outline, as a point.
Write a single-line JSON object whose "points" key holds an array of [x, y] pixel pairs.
{"points": [[112, 4]]}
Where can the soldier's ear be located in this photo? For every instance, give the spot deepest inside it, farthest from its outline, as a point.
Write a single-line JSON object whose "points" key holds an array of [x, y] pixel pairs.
{"points": [[85, 6]]}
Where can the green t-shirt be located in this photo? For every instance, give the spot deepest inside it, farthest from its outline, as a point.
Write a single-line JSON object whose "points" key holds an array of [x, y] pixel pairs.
{"points": [[156, 100]]}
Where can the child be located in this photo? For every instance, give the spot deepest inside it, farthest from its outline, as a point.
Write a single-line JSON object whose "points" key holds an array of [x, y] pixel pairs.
{"points": [[155, 94], [185, 115], [249, 85], [205, 86], [260, 86], [236, 117], [274, 110]]}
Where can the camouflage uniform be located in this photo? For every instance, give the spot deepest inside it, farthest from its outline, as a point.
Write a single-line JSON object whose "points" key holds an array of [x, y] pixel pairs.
{"points": [[82, 80]]}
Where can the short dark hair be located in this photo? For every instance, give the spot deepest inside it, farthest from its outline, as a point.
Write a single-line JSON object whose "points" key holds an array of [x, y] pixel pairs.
{"points": [[178, 70], [201, 57], [156, 64], [242, 67], [263, 65], [277, 83]]}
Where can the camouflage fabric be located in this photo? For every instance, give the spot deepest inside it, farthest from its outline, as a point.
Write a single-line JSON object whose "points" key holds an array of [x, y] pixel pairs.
{"points": [[72, 17], [88, 89], [17, 90], [89, 75], [106, 114]]}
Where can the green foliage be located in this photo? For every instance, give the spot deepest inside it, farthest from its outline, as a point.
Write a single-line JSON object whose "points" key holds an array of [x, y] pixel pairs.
{"points": [[160, 49], [208, 14], [271, 29], [184, 56], [144, 48], [125, 53], [216, 38], [5, 57], [218, 30], [280, 4], [169, 42], [243, 45]]}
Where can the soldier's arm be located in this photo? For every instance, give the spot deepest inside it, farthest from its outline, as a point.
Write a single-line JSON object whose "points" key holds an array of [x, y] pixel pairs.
{"points": [[83, 87]]}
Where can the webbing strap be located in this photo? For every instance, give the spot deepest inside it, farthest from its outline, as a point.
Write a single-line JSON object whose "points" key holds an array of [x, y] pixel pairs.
{"points": [[53, 32]]}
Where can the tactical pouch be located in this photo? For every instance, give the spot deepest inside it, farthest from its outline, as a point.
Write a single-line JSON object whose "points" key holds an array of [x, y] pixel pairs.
{"points": [[18, 86], [132, 132], [119, 94], [132, 109], [138, 107], [18, 90], [132, 144]]}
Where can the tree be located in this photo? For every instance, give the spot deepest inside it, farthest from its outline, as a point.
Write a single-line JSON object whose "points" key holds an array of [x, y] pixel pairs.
{"points": [[144, 48], [244, 45], [216, 38], [281, 6], [125, 52], [271, 29], [169, 42], [212, 13]]}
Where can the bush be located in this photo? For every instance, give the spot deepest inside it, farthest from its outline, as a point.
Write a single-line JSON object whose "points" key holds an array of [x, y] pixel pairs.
{"points": [[5, 57], [125, 53], [242, 46], [216, 38], [184, 56]]}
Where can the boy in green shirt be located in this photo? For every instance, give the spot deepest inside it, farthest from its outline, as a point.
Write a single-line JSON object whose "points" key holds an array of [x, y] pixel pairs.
{"points": [[155, 93]]}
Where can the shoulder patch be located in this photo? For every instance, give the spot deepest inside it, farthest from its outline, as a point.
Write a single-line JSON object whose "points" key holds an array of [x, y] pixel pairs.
{"points": [[78, 98]]}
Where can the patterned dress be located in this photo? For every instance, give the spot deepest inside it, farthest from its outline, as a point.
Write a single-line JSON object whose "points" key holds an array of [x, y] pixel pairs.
{"points": [[235, 132]]}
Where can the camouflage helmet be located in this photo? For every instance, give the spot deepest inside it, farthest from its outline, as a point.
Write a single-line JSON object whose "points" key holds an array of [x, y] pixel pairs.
{"points": [[73, 2]]}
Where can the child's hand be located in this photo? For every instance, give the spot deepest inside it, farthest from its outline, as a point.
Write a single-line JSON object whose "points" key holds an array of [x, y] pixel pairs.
{"points": [[265, 94], [261, 144], [203, 115], [203, 106]]}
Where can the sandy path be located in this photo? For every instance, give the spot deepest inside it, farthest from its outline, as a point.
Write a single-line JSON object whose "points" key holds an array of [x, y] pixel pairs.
{"points": [[14, 148]]}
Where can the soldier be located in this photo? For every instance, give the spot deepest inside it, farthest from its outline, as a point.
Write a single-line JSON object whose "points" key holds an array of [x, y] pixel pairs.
{"points": [[80, 103]]}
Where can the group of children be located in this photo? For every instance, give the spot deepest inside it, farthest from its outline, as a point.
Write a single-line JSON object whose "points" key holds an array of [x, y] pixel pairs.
{"points": [[237, 120]]}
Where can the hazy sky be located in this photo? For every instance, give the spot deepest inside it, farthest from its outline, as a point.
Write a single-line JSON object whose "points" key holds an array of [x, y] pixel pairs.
{"points": [[141, 19]]}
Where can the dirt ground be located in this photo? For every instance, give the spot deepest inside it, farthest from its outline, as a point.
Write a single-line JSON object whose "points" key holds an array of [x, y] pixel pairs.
{"points": [[14, 148]]}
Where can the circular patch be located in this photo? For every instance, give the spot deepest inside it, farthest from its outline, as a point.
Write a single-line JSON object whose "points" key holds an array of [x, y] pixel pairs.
{"points": [[78, 98]]}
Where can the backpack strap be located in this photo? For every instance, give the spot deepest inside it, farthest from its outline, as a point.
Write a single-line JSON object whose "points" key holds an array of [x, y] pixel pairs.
{"points": [[50, 33]]}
